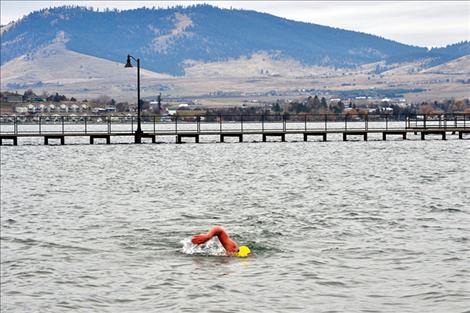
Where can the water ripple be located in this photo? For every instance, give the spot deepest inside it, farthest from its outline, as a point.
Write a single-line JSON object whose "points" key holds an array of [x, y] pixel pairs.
{"points": [[334, 227]]}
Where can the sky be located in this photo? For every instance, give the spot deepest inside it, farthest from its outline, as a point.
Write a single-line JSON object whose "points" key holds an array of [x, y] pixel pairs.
{"points": [[420, 23]]}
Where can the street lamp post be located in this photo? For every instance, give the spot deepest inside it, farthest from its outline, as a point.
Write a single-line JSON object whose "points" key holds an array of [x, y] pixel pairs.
{"points": [[138, 132]]}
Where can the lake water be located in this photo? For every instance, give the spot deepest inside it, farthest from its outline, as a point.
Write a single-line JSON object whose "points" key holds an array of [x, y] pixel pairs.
{"points": [[335, 227]]}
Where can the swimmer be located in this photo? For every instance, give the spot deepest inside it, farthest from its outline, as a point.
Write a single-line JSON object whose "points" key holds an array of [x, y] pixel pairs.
{"points": [[230, 246]]}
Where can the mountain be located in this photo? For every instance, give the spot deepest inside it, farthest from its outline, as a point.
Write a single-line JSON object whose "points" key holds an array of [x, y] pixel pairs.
{"points": [[168, 40], [450, 52], [206, 52]]}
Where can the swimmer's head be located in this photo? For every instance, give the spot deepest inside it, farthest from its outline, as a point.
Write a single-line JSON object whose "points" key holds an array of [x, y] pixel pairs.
{"points": [[243, 252]]}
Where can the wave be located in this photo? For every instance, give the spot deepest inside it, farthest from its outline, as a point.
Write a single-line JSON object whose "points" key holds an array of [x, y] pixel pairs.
{"points": [[211, 248]]}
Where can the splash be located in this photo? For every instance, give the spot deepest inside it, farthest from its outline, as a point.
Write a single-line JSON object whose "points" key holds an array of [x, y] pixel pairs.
{"points": [[212, 247]]}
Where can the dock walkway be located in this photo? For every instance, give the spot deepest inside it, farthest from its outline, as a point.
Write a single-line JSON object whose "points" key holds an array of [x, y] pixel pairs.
{"points": [[237, 126]]}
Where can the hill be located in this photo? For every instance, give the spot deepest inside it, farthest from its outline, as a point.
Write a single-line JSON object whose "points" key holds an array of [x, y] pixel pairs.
{"points": [[201, 51], [168, 38]]}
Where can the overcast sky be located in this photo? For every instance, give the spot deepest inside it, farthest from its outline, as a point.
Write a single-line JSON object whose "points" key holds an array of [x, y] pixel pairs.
{"points": [[422, 23]]}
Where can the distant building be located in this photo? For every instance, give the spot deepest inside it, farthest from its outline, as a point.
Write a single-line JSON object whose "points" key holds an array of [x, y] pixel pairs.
{"points": [[74, 108], [98, 110], [31, 108], [20, 109], [13, 99], [154, 106], [172, 109]]}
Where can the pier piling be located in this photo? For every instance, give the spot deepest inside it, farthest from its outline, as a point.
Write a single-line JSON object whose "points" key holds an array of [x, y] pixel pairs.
{"points": [[357, 133], [282, 135], [61, 137], [239, 135], [323, 134], [390, 132], [179, 137], [93, 137], [434, 132], [463, 132], [13, 138]]}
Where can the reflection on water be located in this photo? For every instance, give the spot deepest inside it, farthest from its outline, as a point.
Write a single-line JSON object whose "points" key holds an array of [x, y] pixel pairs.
{"points": [[356, 226]]}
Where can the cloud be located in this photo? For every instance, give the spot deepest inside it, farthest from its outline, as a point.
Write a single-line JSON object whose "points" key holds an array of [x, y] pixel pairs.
{"points": [[412, 22]]}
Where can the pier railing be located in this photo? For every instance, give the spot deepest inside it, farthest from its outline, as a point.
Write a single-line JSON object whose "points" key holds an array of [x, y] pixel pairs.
{"points": [[440, 121], [243, 123]]}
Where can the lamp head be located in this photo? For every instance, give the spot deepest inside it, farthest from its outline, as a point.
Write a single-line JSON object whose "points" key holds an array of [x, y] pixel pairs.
{"points": [[128, 64]]}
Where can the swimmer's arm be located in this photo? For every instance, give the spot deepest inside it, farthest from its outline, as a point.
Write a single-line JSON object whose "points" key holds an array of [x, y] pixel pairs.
{"points": [[202, 238], [229, 245]]}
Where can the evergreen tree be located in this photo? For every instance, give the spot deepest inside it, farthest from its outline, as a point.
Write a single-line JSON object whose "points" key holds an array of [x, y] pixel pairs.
{"points": [[323, 104], [56, 97], [276, 107], [341, 107], [29, 93], [316, 104]]}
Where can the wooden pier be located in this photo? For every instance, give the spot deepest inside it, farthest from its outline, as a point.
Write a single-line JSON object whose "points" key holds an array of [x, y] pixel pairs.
{"points": [[264, 126]]}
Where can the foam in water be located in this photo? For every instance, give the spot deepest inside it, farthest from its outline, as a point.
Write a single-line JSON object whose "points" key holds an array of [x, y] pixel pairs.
{"points": [[212, 247]]}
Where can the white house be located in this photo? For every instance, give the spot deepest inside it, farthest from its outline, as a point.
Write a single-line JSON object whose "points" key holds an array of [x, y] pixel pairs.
{"points": [[74, 108], [21, 109], [98, 110]]}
